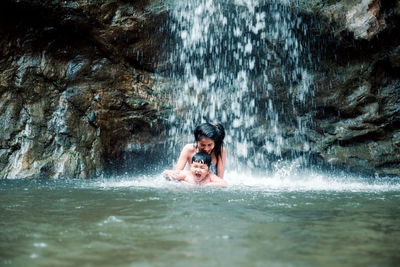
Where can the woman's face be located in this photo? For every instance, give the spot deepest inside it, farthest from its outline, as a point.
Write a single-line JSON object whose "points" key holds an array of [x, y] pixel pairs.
{"points": [[206, 145]]}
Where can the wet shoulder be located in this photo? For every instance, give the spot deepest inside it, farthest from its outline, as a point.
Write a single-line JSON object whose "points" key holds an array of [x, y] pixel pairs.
{"points": [[223, 150], [189, 148]]}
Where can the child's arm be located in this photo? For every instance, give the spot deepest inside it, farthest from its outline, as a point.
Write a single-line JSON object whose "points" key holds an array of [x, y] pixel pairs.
{"points": [[173, 175]]}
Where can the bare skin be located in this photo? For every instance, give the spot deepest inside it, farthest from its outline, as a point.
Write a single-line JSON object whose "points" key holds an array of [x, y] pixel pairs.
{"points": [[204, 145], [199, 174]]}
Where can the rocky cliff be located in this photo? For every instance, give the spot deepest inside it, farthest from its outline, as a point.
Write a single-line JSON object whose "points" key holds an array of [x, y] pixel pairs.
{"points": [[357, 89], [78, 87], [349, 118]]}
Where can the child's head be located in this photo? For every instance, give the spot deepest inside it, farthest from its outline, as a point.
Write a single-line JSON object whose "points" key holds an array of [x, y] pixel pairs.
{"points": [[202, 157], [200, 166]]}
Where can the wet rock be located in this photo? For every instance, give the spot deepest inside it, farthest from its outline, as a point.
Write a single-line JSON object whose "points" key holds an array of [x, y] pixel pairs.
{"points": [[395, 58], [68, 85], [364, 19], [357, 92], [349, 117]]}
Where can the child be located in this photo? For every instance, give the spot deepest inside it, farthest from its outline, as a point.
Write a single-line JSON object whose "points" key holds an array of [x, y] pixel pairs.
{"points": [[199, 173]]}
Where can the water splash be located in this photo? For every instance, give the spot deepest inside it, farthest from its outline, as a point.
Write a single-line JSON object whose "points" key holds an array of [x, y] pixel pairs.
{"points": [[286, 178], [239, 63]]}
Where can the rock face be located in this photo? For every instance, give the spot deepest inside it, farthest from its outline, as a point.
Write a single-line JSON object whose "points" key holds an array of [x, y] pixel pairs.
{"points": [[355, 105], [75, 85], [78, 89], [349, 117], [363, 18], [358, 90]]}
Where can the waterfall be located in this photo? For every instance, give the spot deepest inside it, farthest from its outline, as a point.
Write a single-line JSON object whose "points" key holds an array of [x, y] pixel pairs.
{"points": [[243, 64]]}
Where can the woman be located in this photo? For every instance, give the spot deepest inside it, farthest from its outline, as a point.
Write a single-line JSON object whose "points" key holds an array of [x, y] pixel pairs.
{"points": [[209, 138]]}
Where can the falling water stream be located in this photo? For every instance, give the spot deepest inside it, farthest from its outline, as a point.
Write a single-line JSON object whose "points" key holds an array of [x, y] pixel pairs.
{"points": [[228, 63]]}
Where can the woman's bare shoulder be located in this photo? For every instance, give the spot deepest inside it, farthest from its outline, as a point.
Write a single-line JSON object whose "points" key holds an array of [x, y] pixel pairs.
{"points": [[189, 148]]}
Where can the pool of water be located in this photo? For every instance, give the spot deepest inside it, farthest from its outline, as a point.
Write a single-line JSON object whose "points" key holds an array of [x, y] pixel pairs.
{"points": [[298, 220]]}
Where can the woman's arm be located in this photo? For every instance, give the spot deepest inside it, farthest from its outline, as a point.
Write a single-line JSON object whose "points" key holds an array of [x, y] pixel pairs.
{"points": [[183, 157], [216, 181], [221, 163]]}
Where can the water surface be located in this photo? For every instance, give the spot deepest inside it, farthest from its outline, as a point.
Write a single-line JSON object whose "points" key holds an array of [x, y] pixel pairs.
{"points": [[308, 220]]}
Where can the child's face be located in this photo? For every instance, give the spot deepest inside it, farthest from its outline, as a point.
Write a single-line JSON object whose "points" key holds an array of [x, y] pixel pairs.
{"points": [[199, 170], [206, 145]]}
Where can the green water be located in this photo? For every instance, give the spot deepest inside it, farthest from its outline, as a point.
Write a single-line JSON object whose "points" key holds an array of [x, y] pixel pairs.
{"points": [[149, 222]]}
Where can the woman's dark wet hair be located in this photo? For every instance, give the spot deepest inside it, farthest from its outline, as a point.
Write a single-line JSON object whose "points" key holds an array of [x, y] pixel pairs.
{"points": [[215, 132], [202, 157]]}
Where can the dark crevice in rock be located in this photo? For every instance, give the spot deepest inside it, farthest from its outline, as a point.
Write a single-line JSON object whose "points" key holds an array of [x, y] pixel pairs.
{"points": [[363, 138], [44, 26]]}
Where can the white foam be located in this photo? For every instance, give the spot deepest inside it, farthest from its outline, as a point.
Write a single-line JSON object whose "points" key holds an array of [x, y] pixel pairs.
{"points": [[286, 179], [110, 219], [40, 244], [309, 181], [144, 181]]}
